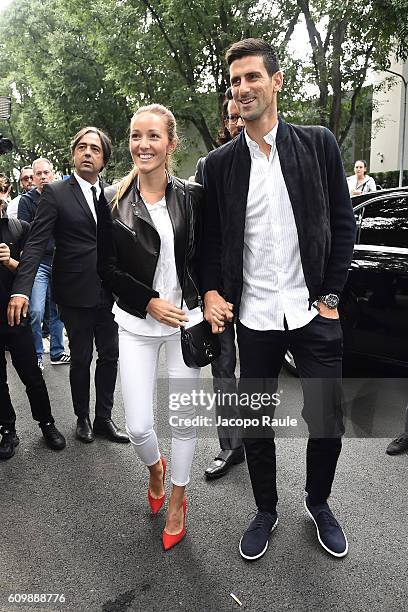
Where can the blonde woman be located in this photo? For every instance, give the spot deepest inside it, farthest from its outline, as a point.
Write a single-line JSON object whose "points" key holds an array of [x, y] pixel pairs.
{"points": [[145, 238]]}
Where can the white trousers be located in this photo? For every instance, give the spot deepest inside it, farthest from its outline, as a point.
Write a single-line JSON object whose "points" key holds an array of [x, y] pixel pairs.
{"points": [[138, 358]]}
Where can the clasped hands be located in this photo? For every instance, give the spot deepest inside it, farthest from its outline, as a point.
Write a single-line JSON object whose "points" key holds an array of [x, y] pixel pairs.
{"points": [[217, 311]]}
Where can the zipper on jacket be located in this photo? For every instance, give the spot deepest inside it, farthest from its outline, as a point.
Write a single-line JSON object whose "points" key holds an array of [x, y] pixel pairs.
{"points": [[126, 227]]}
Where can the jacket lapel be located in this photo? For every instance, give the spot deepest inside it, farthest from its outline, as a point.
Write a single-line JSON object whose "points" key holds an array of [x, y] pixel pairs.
{"points": [[238, 181], [79, 196]]}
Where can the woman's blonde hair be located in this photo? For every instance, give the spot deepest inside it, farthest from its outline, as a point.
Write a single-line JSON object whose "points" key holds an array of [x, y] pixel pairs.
{"points": [[162, 111]]}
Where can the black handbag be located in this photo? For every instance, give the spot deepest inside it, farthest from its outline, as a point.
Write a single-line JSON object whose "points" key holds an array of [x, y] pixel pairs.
{"points": [[199, 345]]}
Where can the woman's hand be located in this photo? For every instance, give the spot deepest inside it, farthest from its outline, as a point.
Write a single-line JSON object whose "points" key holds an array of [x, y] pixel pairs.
{"points": [[165, 312]]}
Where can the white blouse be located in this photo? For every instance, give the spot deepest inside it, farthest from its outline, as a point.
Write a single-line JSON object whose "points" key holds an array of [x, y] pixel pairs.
{"points": [[165, 281]]}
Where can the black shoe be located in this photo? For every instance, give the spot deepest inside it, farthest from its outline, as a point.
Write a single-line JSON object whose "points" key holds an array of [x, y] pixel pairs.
{"points": [[398, 446], [8, 442], [107, 429], [224, 462], [84, 430], [329, 533], [255, 540], [53, 438]]}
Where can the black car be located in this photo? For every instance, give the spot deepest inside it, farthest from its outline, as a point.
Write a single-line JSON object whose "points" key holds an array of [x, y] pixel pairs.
{"points": [[374, 304]]}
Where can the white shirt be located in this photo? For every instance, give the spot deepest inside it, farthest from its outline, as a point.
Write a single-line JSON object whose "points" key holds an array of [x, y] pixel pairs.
{"points": [[165, 281], [274, 285], [12, 207], [367, 185], [86, 190]]}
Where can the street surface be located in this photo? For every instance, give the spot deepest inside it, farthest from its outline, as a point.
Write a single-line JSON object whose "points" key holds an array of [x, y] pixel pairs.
{"points": [[77, 522]]}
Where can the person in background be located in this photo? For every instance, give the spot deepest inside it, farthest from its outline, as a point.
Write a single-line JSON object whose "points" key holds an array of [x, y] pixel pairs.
{"points": [[147, 251], [360, 182], [66, 213], [26, 182], [19, 341], [43, 173], [5, 188], [223, 368]]}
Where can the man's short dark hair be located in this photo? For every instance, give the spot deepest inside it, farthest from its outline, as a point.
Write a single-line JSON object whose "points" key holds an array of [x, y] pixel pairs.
{"points": [[105, 141], [254, 46]]}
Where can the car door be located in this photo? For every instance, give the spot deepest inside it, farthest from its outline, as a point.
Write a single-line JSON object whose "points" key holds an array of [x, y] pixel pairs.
{"points": [[375, 303]]}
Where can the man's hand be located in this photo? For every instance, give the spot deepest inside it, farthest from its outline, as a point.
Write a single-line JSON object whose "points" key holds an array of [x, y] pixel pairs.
{"points": [[165, 312], [217, 311], [326, 312], [4, 254], [17, 308]]}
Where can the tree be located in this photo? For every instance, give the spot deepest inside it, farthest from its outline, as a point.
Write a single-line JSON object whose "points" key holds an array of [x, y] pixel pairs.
{"points": [[346, 42], [58, 83]]}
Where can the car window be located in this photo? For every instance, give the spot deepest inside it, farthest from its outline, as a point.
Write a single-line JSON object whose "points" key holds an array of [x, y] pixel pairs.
{"points": [[385, 223]]}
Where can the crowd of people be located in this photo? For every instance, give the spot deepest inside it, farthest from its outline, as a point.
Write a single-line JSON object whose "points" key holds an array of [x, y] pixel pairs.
{"points": [[259, 244]]}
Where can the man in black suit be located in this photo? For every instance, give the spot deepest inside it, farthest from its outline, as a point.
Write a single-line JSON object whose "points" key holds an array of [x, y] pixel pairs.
{"points": [[66, 211], [278, 239]]}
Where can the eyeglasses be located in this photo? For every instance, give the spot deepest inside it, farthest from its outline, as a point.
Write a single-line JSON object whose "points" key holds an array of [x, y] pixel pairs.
{"points": [[233, 119]]}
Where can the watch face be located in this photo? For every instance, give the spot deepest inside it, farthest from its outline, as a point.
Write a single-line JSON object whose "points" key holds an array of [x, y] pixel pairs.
{"points": [[332, 300]]}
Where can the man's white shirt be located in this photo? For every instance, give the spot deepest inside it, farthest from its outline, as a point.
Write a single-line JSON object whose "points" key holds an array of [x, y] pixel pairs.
{"points": [[274, 285], [86, 190]]}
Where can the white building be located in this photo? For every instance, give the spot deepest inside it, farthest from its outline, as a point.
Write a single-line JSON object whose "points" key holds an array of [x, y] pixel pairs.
{"points": [[386, 140]]}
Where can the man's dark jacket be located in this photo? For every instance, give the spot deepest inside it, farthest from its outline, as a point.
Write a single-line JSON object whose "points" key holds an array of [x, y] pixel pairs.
{"points": [[64, 214], [27, 208], [16, 245], [314, 176]]}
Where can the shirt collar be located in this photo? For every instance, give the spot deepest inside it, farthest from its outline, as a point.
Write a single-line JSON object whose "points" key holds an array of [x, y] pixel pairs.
{"points": [[85, 185], [160, 204], [270, 138]]}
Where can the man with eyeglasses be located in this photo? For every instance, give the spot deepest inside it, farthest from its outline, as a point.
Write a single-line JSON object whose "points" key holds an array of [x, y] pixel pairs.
{"points": [[223, 368], [43, 173], [26, 183]]}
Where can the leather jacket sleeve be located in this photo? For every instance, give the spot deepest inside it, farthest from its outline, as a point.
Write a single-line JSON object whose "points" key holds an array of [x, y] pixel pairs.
{"points": [[134, 293]]}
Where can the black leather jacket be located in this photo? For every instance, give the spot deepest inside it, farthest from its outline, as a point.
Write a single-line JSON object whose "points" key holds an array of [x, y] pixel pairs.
{"points": [[129, 244]]}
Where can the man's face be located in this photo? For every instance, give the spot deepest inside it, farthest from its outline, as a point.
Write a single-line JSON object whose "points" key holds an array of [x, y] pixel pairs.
{"points": [[26, 179], [253, 90], [88, 157], [233, 122], [43, 174]]}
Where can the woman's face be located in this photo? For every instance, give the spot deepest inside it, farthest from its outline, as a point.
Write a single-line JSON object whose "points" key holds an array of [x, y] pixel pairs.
{"points": [[359, 169], [149, 142]]}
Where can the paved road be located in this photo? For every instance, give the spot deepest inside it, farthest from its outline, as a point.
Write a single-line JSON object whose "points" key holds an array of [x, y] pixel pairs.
{"points": [[77, 522]]}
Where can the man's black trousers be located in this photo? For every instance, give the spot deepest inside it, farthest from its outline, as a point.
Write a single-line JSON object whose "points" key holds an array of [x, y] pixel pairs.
{"points": [[84, 325], [19, 341], [317, 350]]}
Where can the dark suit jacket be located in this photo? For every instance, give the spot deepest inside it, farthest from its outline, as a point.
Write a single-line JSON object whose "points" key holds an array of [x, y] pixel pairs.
{"points": [[313, 172], [63, 213]]}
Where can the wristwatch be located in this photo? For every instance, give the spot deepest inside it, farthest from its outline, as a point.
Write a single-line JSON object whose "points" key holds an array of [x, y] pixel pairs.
{"points": [[331, 300]]}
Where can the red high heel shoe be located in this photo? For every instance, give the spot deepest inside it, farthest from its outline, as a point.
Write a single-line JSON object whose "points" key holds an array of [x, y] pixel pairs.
{"points": [[156, 503], [169, 539]]}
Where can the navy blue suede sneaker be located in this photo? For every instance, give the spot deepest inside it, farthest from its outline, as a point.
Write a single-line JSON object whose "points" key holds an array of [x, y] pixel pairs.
{"points": [[254, 542], [329, 533]]}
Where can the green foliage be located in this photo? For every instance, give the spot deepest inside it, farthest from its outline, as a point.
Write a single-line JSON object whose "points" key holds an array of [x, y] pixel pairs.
{"points": [[68, 64], [389, 179]]}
